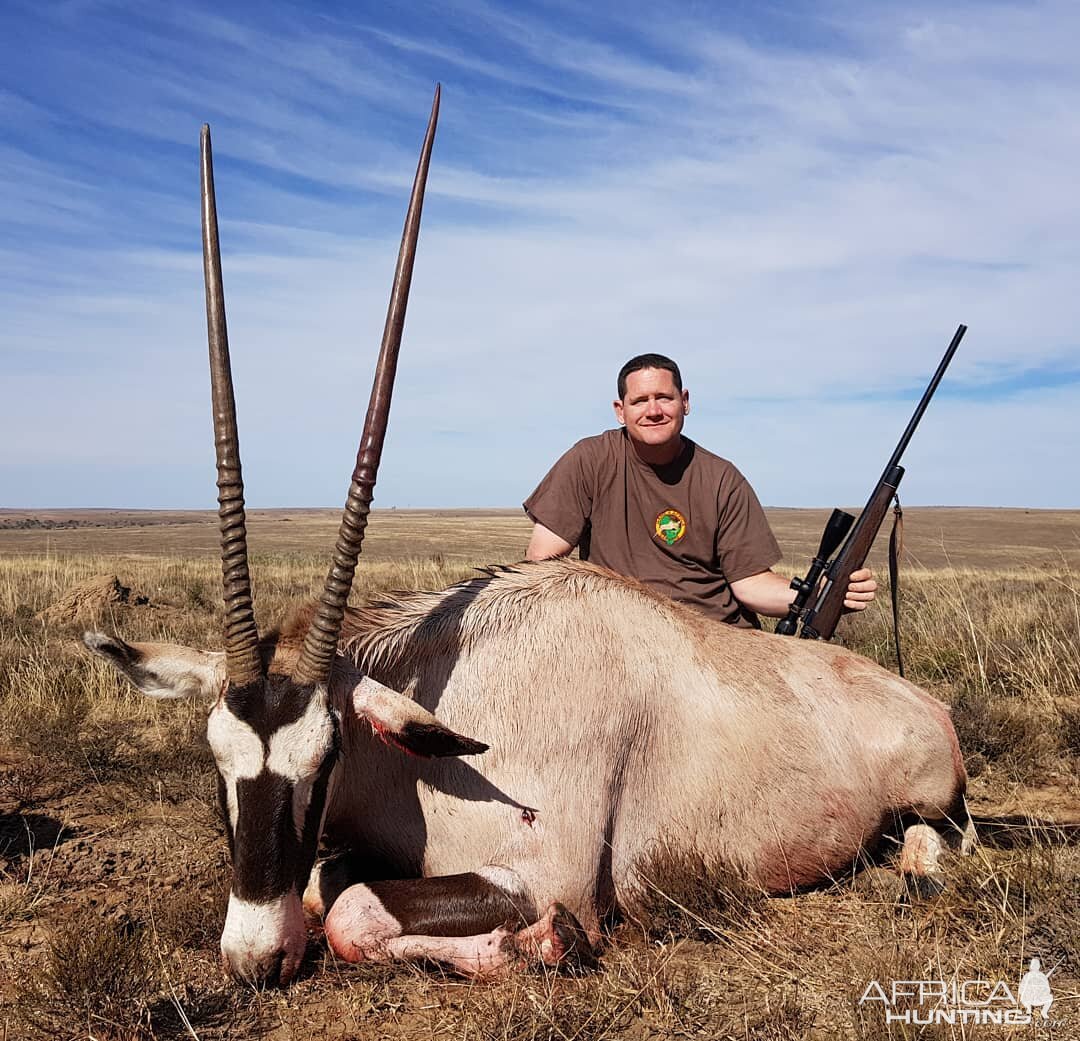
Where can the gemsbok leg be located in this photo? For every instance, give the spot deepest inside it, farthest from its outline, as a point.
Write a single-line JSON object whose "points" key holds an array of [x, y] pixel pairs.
{"points": [[478, 924], [926, 842]]}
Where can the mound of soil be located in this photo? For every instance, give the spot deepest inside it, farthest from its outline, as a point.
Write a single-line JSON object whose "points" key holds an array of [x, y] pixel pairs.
{"points": [[96, 596]]}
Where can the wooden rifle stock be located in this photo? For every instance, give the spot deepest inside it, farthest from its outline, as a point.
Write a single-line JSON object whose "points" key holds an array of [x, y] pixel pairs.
{"points": [[819, 622]]}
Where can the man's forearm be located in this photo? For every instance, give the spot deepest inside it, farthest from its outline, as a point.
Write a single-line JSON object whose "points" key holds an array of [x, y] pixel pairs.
{"points": [[771, 594], [765, 593]]}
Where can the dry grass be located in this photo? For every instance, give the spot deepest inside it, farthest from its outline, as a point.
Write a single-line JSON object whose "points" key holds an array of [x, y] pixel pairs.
{"points": [[113, 870], [99, 973], [1003, 649]]}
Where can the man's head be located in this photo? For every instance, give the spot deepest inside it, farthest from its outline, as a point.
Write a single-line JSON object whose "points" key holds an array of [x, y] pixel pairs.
{"points": [[648, 361], [652, 405]]}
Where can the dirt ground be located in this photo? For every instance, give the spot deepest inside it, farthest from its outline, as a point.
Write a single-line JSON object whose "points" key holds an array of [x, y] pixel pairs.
{"points": [[114, 870]]}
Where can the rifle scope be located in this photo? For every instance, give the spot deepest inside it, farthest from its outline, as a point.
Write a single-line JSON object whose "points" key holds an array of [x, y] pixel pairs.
{"points": [[838, 526]]}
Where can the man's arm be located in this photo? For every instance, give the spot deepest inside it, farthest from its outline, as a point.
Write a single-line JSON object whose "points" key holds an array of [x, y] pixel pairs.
{"points": [[545, 544], [563, 500], [771, 594]]}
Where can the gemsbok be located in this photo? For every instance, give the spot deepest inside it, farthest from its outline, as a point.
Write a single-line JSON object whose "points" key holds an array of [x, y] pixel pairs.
{"points": [[614, 722]]}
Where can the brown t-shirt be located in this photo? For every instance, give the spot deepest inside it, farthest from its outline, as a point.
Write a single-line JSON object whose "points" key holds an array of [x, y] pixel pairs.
{"points": [[686, 529]]}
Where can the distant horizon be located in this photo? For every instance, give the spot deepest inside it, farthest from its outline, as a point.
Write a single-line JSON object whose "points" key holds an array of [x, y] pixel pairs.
{"points": [[483, 509]]}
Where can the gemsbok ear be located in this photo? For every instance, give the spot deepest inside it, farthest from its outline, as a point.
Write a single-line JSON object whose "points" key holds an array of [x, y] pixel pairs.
{"points": [[162, 670], [401, 722]]}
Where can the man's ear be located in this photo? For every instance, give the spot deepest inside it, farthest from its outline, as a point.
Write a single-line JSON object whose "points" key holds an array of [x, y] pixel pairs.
{"points": [[400, 721], [162, 670], [619, 415]]}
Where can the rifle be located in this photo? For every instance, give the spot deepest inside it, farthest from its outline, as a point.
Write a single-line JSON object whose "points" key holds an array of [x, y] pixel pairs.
{"points": [[820, 619]]}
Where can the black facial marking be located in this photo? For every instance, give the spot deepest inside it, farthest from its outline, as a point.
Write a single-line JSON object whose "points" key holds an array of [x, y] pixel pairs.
{"points": [[268, 857], [266, 850], [267, 705], [451, 905]]}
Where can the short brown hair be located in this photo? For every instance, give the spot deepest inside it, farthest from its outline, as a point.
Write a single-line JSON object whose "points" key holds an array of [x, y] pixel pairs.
{"points": [[648, 361]]}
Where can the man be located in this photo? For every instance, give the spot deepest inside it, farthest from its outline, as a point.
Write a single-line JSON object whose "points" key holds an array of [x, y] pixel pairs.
{"points": [[647, 502]]}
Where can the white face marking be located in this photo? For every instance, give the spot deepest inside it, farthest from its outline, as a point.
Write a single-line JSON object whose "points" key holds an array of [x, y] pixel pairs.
{"points": [[238, 751], [255, 932], [236, 747], [298, 750]]}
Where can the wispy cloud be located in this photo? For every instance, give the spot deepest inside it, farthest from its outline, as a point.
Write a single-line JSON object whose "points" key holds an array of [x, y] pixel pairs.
{"points": [[798, 204]]}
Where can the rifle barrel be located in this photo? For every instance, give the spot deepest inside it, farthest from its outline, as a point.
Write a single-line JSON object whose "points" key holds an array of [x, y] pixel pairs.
{"points": [[927, 395], [819, 620]]}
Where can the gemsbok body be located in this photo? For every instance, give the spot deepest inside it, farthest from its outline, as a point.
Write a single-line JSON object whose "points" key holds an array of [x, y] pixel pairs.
{"points": [[499, 758]]}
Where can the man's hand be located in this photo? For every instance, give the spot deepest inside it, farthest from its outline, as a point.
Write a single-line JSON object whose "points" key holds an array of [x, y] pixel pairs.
{"points": [[860, 591]]}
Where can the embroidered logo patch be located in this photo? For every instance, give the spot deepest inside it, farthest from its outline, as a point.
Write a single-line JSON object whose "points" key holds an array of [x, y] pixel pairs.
{"points": [[670, 526]]}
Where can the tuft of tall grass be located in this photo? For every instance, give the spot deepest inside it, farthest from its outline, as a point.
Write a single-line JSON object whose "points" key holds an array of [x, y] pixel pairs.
{"points": [[97, 973], [1003, 650], [683, 893]]}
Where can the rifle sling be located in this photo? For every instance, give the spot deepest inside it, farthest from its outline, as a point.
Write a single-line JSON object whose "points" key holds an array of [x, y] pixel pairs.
{"points": [[896, 548]]}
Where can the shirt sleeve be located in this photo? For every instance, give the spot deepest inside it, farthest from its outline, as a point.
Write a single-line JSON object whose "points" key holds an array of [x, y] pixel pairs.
{"points": [[745, 544], [562, 502]]}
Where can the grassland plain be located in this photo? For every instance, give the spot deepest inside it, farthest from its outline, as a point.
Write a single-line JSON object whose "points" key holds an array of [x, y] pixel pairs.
{"points": [[113, 867]]}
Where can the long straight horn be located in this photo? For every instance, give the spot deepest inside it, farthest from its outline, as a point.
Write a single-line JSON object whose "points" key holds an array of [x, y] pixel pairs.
{"points": [[322, 637], [241, 634]]}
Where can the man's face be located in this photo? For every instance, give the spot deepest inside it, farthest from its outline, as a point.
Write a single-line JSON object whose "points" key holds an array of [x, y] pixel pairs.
{"points": [[653, 409]]}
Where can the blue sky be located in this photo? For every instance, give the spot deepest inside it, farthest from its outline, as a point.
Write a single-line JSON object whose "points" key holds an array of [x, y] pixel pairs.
{"points": [[797, 201]]}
